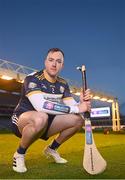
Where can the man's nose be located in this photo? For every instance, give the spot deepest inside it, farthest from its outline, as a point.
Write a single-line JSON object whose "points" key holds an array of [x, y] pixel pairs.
{"points": [[54, 63]]}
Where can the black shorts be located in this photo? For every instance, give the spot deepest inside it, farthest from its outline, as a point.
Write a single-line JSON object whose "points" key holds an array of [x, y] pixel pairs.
{"points": [[17, 132]]}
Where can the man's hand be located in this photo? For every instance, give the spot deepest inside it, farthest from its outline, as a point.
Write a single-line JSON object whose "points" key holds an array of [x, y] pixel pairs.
{"points": [[86, 96], [85, 101], [84, 106]]}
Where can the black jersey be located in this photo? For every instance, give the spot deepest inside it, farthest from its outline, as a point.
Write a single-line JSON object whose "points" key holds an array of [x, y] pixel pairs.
{"points": [[55, 91]]}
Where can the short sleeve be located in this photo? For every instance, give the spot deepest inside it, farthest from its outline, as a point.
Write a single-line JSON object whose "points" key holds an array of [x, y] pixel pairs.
{"points": [[67, 91], [31, 84]]}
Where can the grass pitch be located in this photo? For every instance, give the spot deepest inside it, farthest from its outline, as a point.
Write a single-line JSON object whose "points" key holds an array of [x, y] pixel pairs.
{"points": [[111, 146]]}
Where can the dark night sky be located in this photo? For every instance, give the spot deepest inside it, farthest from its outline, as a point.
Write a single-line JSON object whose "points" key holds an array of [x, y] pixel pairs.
{"points": [[90, 32]]}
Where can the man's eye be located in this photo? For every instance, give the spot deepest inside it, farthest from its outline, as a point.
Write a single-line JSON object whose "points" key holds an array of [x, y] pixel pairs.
{"points": [[59, 61], [50, 59]]}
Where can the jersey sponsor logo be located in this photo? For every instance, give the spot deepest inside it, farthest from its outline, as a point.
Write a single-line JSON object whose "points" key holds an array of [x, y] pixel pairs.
{"points": [[61, 108], [56, 107], [61, 89], [52, 86], [48, 105], [53, 97], [32, 85]]}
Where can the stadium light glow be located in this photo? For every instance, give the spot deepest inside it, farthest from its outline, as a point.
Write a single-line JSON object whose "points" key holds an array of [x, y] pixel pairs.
{"points": [[100, 97], [103, 99], [21, 81], [6, 77], [77, 93], [96, 97], [110, 100]]}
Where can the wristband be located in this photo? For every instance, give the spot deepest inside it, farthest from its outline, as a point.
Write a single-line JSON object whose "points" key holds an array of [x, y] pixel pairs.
{"points": [[74, 109]]}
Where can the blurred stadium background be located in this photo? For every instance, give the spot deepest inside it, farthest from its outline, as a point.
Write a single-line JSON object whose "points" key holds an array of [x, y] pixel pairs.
{"points": [[11, 79]]}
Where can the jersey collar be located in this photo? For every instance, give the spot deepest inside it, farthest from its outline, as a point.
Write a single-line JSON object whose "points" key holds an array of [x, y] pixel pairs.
{"points": [[48, 77]]}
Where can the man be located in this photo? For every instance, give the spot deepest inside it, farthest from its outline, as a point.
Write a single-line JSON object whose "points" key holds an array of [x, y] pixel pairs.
{"points": [[46, 108]]}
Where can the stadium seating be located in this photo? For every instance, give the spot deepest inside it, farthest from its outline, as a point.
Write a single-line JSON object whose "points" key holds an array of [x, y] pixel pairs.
{"points": [[8, 101]]}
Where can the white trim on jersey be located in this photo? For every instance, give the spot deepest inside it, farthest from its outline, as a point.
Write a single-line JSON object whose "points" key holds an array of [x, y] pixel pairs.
{"points": [[32, 73]]}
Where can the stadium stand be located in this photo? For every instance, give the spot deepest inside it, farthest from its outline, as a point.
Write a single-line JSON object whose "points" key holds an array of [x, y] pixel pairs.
{"points": [[11, 79], [8, 101], [9, 96]]}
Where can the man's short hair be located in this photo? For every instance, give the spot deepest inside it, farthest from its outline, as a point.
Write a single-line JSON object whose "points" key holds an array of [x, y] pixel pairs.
{"points": [[55, 50]]}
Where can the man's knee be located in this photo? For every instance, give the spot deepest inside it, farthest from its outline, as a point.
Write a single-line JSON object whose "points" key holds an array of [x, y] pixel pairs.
{"points": [[79, 122], [40, 122]]}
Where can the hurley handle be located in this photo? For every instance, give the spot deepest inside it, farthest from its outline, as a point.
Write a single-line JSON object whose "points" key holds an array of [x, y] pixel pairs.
{"points": [[84, 84]]}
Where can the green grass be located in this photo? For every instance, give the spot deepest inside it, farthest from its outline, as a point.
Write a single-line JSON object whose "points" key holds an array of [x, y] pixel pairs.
{"points": [[111, 146]]}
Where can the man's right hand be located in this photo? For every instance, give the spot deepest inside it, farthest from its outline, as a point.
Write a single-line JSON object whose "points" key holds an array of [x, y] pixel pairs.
{"points": [[84, 106]]}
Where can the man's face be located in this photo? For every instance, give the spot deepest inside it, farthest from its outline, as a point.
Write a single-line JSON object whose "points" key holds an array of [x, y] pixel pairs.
{"points": [[54, 63]]}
